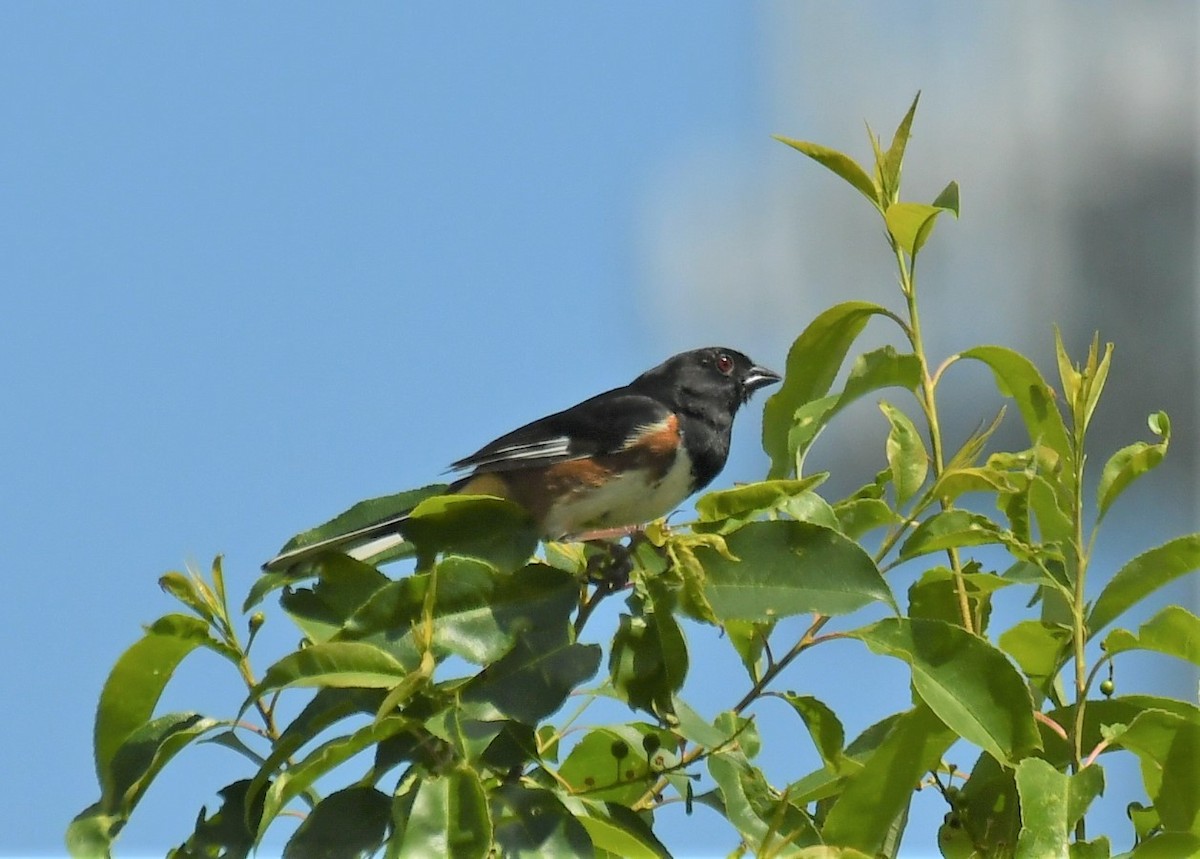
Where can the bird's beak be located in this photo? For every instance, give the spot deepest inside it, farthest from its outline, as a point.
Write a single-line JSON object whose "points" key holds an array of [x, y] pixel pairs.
{"points": [[759, 377]]}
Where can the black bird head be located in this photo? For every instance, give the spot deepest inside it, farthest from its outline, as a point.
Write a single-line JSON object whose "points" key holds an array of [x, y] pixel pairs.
{"points": [[702, 375]]}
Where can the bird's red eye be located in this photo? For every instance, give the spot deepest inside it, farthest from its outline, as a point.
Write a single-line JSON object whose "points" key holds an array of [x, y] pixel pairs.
{"points": [[724, 364]]}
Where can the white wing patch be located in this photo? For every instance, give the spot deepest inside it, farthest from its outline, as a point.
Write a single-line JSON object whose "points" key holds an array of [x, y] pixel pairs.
{"points": [[545, 449]]}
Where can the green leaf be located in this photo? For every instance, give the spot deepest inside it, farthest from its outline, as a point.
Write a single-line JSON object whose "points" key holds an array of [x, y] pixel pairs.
{"points": [[478, 613], [449, 817], [348, 823], [146, 751], [948, 198], [769, 823], [1174, 631], [184, 588], [343, 585], [935, 596], [825, 729], [881, 368], [862, 816], [338, 663], [812, 364], [534, 678], [478, 526], [911, 224], [299, 777], [225, 833], [695, 729], [1142, 576], [648, 660], [137, 680], [839, 163], [619, 832], [1051, 804], [969, 684], [951, 529], [751, 498], [954, 482], [532, 822], [858, 516], [326, 708], [1168, 747], [749, 640], [1017, 377], [906, 454], [1039, 648], [1103, 717], [889, 166], [786, 568], [1130, 463], [612, 763], [92, 832]]}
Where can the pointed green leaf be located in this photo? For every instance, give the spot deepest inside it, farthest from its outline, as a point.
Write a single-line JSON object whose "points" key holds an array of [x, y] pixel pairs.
{"points": [[785, 568], [765, 819], [812, 364], [619, 832], [751, 498], [146, 751], [342, 586], [1018, 378], [533, 822], [969, 684], [479, 526], [1039, 648], [863, 814], [948, 198], [838, 163], [477, 612], [824, 727], [1168, 747], [858, 516], [911, 224], [871, 371], [935, 595], [906, 454], [349, 822], [534, 678], [1051, 803], [1142, 576], [449, 817], [952, 529], [1174, 631], [648, 660], [890, 165], [137, 680], [300, 776], [338, 663], [1129, 463]]}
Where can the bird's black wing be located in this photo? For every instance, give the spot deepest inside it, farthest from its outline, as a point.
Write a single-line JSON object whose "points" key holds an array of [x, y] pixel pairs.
{"points": [[606, 423]]}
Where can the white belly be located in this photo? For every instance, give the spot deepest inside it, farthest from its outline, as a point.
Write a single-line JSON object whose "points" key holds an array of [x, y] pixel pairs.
{"points": [[630, 499]]}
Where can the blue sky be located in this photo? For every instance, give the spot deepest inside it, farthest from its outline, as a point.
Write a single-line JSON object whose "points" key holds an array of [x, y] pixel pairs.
{"points": [[262, 262]]}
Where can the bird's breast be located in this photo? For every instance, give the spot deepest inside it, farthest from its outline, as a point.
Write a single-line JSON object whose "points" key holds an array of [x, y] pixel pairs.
{"points": [[626, 497]]}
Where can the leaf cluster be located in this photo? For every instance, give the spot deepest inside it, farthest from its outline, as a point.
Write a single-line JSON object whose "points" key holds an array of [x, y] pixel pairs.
{"points": [[444, 711]]}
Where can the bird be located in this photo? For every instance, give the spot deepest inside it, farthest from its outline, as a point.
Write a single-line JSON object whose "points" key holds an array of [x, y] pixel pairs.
{"points": [[604, 466]]}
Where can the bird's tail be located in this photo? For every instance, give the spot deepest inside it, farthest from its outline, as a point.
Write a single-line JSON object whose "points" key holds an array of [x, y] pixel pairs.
{"points": [[360, 544]]}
